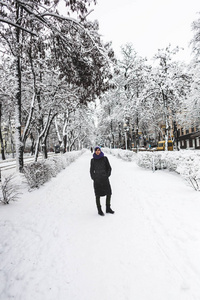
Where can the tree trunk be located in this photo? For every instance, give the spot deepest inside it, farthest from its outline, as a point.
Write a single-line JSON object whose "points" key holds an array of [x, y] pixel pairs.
{"points": [[1, 137], [137, 136], [44, 149], [57, 132], [32, 143], [175, 135], [26, 129], [166, 121], [65, 132], [37, 148], [120, 135], [11, 138], [46, 133], [64, 143], [43, 136], [19, 144]]}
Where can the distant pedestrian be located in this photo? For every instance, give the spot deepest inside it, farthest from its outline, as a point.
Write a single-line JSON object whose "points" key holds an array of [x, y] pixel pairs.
{"points": [[91, 149], [100, 170]]}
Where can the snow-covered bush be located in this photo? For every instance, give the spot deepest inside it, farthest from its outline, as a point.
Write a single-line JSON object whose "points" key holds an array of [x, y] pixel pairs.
{"points": [[150, 160], [123, 154], [185, 162], [9, 191], [190, 170], [37, 173]]}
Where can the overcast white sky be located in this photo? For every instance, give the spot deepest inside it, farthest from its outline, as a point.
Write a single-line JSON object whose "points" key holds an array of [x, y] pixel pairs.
{"points": [[147, 24]]}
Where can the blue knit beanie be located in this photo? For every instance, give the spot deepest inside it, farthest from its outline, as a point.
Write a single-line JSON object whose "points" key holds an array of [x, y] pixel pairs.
{"points": [[97, 147]]}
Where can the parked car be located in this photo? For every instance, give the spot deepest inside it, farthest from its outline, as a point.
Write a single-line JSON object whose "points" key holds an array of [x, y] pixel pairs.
{"points": [[57, 149], [161, 145]]}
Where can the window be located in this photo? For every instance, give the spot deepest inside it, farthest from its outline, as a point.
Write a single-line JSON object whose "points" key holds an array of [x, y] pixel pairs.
{"points": [[160, 144], [198, 142]]}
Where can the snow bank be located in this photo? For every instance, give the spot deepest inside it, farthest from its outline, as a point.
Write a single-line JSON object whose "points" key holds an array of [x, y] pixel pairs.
{"points": [[123, 154], [184, 162], [37, 173]]}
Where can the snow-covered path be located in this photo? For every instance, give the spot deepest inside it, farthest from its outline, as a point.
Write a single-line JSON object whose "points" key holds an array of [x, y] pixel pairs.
{"points": [[54, 245]]}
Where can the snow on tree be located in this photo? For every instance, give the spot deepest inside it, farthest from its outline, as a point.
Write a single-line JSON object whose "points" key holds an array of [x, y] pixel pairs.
{"points": [[168, 87], [7, 90], [196, 39], [74, 46], [135, 73], [192, 106], [123, 106]]}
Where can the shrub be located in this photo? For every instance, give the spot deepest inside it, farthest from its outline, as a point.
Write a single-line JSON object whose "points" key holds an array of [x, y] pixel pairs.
{"points": [[37, 173], [184, 162], [9, 191]]}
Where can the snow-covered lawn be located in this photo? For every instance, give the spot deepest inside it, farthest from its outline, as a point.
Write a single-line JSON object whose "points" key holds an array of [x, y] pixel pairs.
{"points": [[54, 245]]}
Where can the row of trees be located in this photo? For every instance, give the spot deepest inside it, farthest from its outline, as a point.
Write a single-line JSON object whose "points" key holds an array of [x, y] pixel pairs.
{"points": [[147, 96], [51, 67]]}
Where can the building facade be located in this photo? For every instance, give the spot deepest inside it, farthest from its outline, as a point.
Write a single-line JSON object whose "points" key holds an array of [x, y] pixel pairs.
{"points": [[189, 138]]}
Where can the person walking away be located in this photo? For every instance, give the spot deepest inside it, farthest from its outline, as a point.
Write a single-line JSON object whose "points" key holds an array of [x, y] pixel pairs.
{"points": [[100, 171]]}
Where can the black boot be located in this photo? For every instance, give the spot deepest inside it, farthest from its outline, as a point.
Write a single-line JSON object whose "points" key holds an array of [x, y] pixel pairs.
{"points": [[100, 212], [108, 209]]}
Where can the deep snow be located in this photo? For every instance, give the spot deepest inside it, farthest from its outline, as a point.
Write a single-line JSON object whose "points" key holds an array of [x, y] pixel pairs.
{"points": [[54, 245]]}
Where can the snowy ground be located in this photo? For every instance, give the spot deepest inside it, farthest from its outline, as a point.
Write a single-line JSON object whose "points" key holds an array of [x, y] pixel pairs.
{"points": [[54, 245]]}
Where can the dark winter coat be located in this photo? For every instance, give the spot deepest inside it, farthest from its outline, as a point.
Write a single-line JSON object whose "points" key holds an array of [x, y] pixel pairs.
{"points": [[100, 170]]}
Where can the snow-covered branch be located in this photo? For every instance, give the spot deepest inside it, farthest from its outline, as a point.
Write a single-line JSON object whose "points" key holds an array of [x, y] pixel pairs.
{"points": [[17, 26]]}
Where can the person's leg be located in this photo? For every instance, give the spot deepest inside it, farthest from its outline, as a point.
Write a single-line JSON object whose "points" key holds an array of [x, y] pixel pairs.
{"points": [[108, 209], [100, 212]]}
